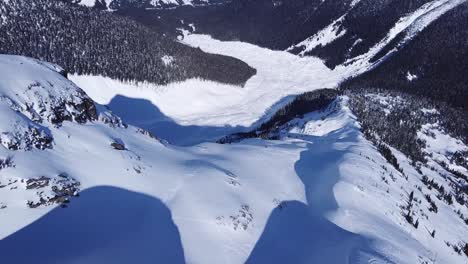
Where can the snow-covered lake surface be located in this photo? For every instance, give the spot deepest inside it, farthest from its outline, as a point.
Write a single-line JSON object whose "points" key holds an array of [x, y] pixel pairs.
{"points": [[187, 108]]}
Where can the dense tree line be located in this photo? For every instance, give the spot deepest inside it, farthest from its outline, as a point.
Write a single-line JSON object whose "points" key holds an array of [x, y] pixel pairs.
{"points": [[88, 41], [301, 105]]}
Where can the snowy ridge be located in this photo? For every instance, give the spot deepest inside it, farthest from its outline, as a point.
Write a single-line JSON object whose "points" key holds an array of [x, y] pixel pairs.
{"points": [[96, 170]]}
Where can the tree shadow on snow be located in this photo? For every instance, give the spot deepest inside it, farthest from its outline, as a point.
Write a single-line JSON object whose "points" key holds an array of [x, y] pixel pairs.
{"points": [[104, 225], [301, 233]]}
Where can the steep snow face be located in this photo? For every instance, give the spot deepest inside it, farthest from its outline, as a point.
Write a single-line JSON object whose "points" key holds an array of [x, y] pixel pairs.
{"points": [[35, 102], [18, 132]]}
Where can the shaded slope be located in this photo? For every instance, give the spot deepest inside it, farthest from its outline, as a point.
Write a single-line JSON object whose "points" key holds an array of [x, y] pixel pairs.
{"points": [[104, 225]]}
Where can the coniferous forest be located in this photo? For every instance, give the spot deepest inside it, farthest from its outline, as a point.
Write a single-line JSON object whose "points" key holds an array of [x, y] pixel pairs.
{"points": [[84, 40]]}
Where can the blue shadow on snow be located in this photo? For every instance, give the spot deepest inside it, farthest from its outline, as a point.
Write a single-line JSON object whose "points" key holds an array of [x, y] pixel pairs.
{"points": [[104, 225], [144, 114]]}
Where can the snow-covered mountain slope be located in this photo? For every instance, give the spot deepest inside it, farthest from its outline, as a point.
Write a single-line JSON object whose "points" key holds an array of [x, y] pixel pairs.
{"points": [[320, 194], [339, 32]]}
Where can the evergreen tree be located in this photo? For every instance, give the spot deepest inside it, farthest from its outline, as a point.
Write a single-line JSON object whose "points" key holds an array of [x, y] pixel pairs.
{"points": [[100, 4]]}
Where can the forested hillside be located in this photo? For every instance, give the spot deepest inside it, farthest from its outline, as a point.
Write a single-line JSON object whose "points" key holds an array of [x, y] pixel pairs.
{"points": [[88, 41], [434, 63], [286, 24]]}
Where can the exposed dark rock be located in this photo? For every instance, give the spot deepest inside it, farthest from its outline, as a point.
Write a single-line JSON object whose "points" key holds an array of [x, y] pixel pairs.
{"points": [[34, 137], [118, 146], [37, 183], [60, 190]]}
